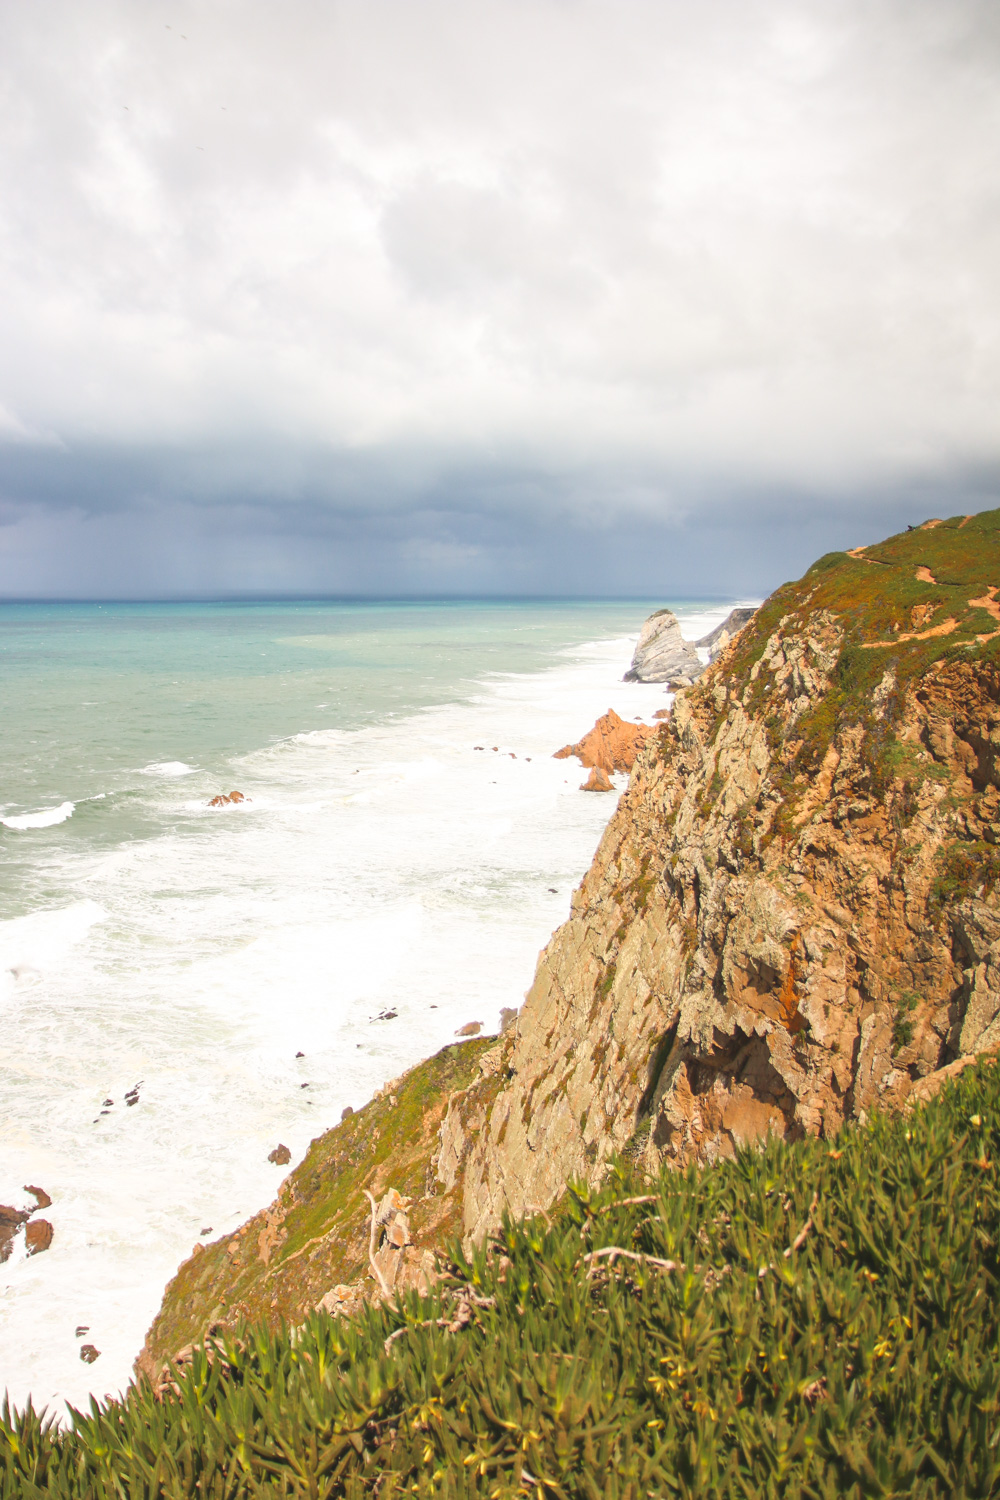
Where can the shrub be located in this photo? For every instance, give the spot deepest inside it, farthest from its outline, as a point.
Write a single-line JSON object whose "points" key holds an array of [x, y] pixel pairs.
{"points": [[809, 1320]]}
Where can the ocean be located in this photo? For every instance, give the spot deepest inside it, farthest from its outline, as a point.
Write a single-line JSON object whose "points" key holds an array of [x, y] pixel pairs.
{"points": [[242, 973]]}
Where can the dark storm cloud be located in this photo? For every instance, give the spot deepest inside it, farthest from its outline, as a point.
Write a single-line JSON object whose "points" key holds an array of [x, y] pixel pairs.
{"points": [[111, 523], [523, 296]]}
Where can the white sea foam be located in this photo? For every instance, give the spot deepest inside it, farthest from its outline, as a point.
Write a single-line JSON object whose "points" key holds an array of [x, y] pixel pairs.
{"points": [[33, 946], [48, 817], [395, 867], [168, 769]]}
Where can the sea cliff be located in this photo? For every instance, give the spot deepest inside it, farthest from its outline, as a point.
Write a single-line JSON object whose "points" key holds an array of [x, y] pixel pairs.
{"points": [[791, 922]]}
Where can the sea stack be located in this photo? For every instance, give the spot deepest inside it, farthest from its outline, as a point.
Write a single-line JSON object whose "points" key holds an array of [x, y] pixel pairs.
{"points": [[662, 652]]}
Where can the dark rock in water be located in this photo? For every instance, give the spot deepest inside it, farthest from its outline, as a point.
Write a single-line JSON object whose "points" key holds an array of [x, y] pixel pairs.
{"points": [[11, 1220], [108, 1103], [223, 801], [346, 1112], [41, 1197], [281, 1156], [471, 1028], [81, 1329], [662, 652], [38, 1236], [206, 1230], [734, 622], [88, 1353], [300, 1054]]}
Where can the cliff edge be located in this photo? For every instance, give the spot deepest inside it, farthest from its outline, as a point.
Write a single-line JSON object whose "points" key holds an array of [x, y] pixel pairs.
{"points": [[791, 921]]}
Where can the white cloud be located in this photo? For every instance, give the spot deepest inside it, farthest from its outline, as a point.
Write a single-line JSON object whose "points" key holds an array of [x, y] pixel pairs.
{"points": [[747, 243]]}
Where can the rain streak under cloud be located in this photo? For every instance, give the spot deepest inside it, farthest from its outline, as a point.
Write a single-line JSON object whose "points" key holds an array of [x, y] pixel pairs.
{"points": [[505, 296]]}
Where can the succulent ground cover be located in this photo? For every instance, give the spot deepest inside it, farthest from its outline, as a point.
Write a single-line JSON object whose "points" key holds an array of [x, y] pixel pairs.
{"points": [[809, 1320]]}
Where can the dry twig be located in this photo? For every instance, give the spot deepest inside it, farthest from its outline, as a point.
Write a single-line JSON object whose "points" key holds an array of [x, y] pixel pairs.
{"points": [[612, 1253], [800, 1238], [463, 1315]]}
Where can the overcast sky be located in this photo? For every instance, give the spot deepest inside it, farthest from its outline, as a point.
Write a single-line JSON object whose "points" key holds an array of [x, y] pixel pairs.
{"points": [[614, 296]]}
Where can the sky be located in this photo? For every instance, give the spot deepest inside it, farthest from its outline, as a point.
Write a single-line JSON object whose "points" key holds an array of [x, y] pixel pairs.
{"points": [[490, 296]]}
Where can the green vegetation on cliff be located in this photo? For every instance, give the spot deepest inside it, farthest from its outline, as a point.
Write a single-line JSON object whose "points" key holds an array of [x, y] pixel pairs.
{"points": [[315, 1234], [814, 1320], [925, 596]]}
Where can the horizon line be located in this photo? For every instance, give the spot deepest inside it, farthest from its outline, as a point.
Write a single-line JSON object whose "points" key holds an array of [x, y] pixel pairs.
{"points": [[315, 598]]}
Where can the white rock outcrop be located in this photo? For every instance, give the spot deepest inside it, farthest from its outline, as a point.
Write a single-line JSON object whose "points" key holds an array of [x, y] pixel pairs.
{"points": [[662, 653]]}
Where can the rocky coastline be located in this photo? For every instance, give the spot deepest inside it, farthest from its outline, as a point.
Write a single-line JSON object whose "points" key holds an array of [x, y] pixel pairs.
{"points": [[792, 921]]}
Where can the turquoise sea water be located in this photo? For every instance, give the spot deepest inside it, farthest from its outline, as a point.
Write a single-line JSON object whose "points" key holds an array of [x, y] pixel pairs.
{"points": [[91, 695], [407, 846]]}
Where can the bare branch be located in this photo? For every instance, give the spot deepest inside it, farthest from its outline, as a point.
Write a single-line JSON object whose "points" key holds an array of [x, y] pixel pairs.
{"points": [[800, 1238], [612, 1253], [463, 1315]]}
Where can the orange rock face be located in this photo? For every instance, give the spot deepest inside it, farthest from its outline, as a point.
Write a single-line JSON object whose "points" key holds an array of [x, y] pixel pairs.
{"points": [[597, 781], [38, 1236], [612, 745], [223, 801]]}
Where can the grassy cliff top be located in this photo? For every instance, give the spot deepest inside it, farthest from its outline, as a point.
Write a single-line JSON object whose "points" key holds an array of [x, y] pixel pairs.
{"points": [[815, 1320], [926, 594], [922, 602]]}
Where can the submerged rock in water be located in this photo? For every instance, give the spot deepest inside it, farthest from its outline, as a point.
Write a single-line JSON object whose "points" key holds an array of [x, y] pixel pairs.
{"points": [[222, 800], [11, 1220], [38, 1236], [662, 652]]}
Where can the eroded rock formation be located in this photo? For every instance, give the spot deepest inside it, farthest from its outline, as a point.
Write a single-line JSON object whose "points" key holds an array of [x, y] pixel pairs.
{"points": [[662, 653], [612, 745]]}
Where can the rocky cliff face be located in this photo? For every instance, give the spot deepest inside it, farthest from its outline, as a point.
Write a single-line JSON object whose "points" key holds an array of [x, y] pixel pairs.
{"points": [[792, 919]]}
